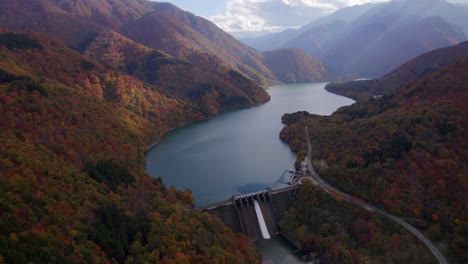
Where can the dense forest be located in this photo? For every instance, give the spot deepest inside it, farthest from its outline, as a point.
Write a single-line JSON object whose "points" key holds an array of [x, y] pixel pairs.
{"points": [[81, 101], [357, 90], [404, 152], [72, 183], [341, 233], [200, 79]]}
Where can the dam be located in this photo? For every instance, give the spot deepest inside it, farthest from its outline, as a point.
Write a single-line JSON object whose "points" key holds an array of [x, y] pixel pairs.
{"points": [[254, 214]]}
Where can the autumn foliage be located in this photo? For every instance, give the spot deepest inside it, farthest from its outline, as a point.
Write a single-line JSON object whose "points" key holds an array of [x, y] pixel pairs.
{"points": [[73, 189], [342, 233], [404, 152]]}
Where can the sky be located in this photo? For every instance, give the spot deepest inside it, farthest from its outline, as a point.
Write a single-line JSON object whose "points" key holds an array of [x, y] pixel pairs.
{"points": [[244, 18]]}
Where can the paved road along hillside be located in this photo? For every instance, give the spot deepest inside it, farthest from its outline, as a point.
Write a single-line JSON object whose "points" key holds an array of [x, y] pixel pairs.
{"points": [[337, 193]]}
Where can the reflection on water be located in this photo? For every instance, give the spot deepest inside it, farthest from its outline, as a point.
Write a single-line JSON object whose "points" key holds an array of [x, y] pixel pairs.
{"points": [[238, 151]]}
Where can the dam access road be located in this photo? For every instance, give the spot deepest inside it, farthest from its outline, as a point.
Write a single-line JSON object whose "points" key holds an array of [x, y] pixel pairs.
{"points": [[317, 180]]}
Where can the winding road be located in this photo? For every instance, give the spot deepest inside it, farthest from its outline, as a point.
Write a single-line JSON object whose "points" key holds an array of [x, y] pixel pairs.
{"points": [[316, 179]]}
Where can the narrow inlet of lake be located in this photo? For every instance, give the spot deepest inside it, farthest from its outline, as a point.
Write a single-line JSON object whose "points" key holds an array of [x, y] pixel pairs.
{"points": [[238, 151]]}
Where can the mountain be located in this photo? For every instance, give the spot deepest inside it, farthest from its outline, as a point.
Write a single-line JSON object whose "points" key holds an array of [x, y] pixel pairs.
{"points": [[44, 16], [270, 41], [346, 15], [80, 102], [201, 79], [160, 26], [75, 124], [74, 187], [197, 34], [315, 40], [387, 36], [372, 39], [420, 67], [409, 72], [295, 66], [111, 13], [93, 27], [403, 152], [180, 33], [310, 36]]}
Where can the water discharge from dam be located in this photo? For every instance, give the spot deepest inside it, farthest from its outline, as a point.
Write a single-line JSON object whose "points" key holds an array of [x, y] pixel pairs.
{"points": [[261, 221]]}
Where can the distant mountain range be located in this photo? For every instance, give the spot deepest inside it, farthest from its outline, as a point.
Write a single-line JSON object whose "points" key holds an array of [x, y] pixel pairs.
{"points": [[370, 40], [402, 76], [160, 26]]}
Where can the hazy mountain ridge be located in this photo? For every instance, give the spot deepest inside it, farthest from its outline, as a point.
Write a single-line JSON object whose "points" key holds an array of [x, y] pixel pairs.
{"points": [[279, 40], [295, 66], [121, 11], [421, 66], [372, 39], [174, 35], [44, 16], [184, 33], [402, 151], [402, 76], [369, 52], [161, 26]]}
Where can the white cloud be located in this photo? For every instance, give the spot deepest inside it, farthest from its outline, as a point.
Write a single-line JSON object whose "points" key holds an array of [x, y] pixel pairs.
{"points": [[244, 17], [264, 16]]}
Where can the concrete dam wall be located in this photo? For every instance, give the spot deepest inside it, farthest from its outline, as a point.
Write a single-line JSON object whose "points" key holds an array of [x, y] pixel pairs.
{"points": [[255, 214]]}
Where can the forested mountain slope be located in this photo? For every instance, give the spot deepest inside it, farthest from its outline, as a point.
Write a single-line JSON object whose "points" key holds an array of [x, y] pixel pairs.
{"points": [[160, 26], [295, 66], [402, 76], [201, 79], [74, 127], [72, 138], [180, 34], [404, 152]]}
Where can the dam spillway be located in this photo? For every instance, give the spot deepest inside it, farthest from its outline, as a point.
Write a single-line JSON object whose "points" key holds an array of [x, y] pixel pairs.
{"points": [[240, 213], [261, 221]]}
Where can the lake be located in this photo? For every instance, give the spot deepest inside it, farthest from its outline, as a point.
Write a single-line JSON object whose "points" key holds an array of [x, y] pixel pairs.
{"points": [[238, 151]]}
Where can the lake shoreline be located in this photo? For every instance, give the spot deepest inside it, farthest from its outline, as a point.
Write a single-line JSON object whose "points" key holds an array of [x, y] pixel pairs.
{"points": [[238, 150], [156, 142], [233, 151]]}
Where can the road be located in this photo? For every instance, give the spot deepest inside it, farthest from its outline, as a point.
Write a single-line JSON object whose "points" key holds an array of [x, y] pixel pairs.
{"points": [[356, 201]]}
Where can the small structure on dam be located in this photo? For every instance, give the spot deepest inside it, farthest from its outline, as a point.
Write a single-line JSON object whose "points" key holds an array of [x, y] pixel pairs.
{"points": [[254, 214]]}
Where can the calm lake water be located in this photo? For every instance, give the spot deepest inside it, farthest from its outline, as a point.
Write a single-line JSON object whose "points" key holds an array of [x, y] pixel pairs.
{"points": [[238, 151]]}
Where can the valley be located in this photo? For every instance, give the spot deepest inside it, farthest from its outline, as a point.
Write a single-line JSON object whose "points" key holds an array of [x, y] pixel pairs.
{"points": [[86, 86]]}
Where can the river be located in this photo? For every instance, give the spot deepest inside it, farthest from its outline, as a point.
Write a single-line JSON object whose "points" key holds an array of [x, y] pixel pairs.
{"points": [[238, 151]]}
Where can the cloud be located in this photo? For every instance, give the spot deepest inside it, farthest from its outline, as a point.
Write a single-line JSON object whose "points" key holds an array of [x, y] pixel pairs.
{"points": [[247, 17], [265, 16]]}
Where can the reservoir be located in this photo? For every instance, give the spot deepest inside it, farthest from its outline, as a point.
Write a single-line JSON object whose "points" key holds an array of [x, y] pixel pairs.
{"points": [[238, 151]]}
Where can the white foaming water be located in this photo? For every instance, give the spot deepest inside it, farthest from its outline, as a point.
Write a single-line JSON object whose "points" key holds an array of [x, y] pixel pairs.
{"points": [[261, 221]]}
